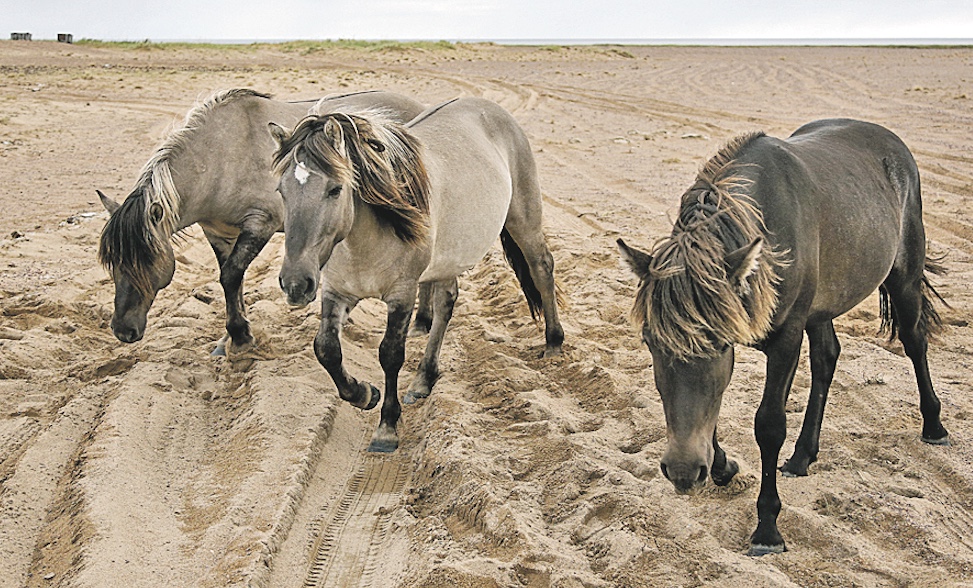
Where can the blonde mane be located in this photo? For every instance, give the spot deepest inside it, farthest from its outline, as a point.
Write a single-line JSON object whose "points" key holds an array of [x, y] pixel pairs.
{"points": [[135, 237], [687, 305]]}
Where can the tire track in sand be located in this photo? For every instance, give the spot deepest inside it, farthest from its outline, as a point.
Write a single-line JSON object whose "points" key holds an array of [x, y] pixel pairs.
{"points": [[342, 533]]}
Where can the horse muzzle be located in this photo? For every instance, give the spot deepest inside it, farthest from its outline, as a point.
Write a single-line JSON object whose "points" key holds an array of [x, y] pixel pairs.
{"points": [[300, 288], [685, 477], [127, 333]]}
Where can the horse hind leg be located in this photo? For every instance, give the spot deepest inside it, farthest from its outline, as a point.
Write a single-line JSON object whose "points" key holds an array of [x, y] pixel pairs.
{"points": [[908, 310], [443, 300], [824, 351], [422, 322], [533, 264]]}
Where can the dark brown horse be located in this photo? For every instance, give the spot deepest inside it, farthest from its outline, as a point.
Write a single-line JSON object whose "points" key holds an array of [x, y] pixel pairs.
{"points": [[777, 238]]}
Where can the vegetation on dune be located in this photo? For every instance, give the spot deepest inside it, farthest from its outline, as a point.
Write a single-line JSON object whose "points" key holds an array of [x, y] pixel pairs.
{"points": [[303, 47]]}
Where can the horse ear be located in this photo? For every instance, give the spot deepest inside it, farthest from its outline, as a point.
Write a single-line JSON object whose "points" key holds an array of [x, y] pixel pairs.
{"points": [[110, 205], [741, 264], [278, 132], [156, 212], [332, 130], [637, 260]]}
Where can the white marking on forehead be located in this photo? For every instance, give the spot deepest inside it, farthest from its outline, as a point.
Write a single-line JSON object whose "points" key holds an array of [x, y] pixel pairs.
{"points": [[301, 173]]}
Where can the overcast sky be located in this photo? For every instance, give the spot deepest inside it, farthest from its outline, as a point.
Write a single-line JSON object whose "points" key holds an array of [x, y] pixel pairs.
{"points": [[487, 19]]}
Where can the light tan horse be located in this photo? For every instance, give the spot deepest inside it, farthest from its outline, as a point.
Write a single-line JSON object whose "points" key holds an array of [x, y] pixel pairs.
{"points": [[384, 207]]}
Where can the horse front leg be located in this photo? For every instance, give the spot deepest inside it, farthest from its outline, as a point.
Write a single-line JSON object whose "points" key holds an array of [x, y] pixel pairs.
{"points": [[391, 354], [232, 269], [770, 429], [443, 301], [327, 348], [723, 468], [824, 351]]}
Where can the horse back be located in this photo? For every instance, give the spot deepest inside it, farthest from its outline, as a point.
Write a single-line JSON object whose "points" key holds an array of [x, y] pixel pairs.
{"points": [[836, 193]]}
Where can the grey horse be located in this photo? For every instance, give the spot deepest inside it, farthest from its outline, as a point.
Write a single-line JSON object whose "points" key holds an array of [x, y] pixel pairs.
{"points": [[384, 207]]}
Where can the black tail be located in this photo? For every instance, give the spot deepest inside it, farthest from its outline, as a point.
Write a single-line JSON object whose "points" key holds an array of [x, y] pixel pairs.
{"points": [[930, 323], [515, 257]]}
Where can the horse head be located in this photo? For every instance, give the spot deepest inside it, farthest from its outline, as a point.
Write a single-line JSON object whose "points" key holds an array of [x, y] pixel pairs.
{"points": [[327, 166], [690, 376], [136, 249], [316, 184]]}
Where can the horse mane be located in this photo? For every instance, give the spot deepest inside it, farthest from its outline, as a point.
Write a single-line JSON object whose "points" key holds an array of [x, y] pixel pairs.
{"points": [[393, 181], [686, 304], [132, 240]]}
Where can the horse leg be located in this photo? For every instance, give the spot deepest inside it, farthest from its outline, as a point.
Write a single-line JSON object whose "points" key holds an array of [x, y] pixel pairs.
{"points": [[221, 247], [248, 246], [908, 302], [443, 300], [770, 429], [824, 350], [422, 322], [723, 469], [391, 354], [327, 348], [529, 248]]}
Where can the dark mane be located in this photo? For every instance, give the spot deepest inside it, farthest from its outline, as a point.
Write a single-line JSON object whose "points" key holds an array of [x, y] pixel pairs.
{"points": [[392, 180], [687, 304], [133, 242]]}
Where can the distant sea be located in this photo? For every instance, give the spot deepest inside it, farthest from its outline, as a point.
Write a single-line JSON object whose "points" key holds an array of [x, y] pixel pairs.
{"points": [[713, 42]]}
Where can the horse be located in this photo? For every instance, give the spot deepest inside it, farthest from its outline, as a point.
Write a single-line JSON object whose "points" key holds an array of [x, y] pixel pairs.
{"points": [[383, 208], [776, 238], [213, 171]]}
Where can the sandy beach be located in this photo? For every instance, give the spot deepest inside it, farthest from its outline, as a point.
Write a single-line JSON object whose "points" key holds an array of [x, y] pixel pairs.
{"points": [[154, 464]]}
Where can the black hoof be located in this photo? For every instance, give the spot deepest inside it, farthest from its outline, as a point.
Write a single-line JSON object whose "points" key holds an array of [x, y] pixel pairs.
{"points": [[382, 446], [724, 478], [944, 441], [373, 401], [757, 550], [791, 470], [413, 397]]}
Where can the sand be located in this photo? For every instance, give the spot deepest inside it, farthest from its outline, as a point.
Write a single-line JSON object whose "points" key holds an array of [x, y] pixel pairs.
{"points": [[154, 464]]}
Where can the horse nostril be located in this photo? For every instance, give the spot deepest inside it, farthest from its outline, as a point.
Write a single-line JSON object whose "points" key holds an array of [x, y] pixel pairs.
{"points": [[280, 281], [665, 470], [309, 288], [702, 474]]}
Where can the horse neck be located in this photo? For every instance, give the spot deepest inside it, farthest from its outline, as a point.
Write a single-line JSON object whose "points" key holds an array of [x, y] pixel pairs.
{"points": [[370, 238]]}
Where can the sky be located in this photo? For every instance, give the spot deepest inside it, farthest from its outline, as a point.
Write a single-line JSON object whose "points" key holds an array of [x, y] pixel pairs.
{"points": [[498, 20]]}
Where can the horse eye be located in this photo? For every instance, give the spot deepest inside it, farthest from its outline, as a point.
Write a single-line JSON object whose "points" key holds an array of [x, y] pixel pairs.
{"points": [[334, 192]]}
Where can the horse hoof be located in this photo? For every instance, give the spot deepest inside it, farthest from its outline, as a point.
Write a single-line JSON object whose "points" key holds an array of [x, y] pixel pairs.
{"points": [[373, 401], [724, 478], [383, 446], [942, 441], [385, 440], [791, 471], [411, 397], [220, 350], [757, 550]]}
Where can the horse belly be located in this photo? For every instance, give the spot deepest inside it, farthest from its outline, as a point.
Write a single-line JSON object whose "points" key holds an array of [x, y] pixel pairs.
{"points": [[849, 273], [462, 232]]}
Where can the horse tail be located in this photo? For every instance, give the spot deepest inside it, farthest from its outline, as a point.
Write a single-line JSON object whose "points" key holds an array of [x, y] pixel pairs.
{"points": [[515, 257], [930, 323]]}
